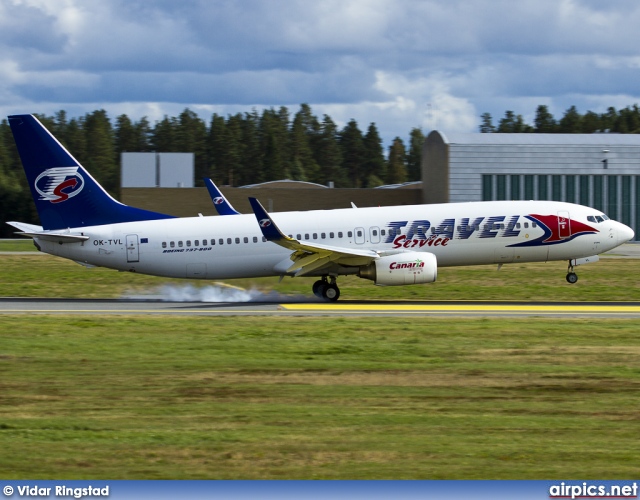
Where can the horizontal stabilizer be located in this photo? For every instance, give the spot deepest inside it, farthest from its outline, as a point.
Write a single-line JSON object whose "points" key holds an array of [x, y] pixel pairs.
{"points": [[23, 226], [33, 231], [56, 237]]}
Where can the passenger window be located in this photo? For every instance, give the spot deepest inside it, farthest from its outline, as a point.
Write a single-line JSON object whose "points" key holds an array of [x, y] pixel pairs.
{"points": [[306, 236], [188, 243], [533, 224], [526, 225], [196, 243], [298, 236], [315, 236], [350, 234], [330, 235], [339, 234], [246, 240], [323, 235], [375, 232], [164, 244], [382, 232], [359, 233], [237, 241], [221, 241], [264, 240], [204, 243], [255, 239], [172, 244], [180, 244]]}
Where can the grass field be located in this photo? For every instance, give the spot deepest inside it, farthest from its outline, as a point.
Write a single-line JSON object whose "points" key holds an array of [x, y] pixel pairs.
{"points": [[148, 397], [40, 275], [17, 245], [132, 397]]}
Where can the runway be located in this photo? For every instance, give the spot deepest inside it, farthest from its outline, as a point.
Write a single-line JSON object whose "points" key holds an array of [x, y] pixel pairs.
{"points": [[342, 308]]}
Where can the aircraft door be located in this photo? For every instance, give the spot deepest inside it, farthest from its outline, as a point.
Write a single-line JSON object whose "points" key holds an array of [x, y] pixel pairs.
{"points": [[564, 225], [374, 234], [133, 252], [359, 235]]}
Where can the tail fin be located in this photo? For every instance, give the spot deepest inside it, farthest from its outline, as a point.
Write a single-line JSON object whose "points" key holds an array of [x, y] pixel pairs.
{"points": [[220, 203], [64, 193]]}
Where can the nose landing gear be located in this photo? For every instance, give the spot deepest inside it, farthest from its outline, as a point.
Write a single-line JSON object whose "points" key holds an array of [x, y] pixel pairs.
{"points": [[571, 276], [326, 289]]}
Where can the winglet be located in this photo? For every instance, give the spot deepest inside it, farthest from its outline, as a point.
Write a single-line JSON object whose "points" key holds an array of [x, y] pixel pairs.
{"points": [[269, 229], [220, 203]]}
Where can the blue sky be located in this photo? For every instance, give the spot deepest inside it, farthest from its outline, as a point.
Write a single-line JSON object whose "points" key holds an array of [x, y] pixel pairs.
{"points": [[398, 63]]}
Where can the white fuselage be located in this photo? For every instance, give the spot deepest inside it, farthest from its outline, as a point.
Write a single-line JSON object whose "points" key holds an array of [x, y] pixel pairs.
{"points": [[222, 247]]}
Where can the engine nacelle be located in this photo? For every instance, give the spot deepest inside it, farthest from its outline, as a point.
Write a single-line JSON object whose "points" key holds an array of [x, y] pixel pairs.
{"points": [[409, 268]]}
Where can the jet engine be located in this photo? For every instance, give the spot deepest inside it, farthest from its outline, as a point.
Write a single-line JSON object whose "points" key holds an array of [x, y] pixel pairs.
{"points": [[409, 268]]}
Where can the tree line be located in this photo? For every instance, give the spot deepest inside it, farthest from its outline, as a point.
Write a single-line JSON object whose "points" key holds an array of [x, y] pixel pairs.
{"points": [[623, 121], [236, 150]]}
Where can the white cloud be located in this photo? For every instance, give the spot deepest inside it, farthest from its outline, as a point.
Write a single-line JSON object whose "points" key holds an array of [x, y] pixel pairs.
{"points": [[399, 63]]}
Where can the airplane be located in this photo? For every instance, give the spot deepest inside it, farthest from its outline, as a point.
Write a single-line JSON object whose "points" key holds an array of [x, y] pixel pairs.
{"points": [[396, 245]]}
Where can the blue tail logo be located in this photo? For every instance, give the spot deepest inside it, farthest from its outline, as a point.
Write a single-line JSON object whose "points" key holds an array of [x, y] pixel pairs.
{"points": [[59, 184]]}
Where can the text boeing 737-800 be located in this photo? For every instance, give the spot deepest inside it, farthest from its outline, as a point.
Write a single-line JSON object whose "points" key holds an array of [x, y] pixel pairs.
{"points": [[400, 245]]}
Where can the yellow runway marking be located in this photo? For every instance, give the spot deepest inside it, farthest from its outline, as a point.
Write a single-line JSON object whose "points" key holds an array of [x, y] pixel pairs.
{"points": [[359, 309], [464, 308]]}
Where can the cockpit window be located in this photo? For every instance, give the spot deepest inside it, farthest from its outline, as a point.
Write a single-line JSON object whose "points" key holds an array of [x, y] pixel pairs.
{"points": [[597, 218]]}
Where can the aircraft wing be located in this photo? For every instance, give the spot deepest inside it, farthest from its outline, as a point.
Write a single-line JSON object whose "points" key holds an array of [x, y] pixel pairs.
{"points": [[308, 257], [220, 203], [34, 231]]}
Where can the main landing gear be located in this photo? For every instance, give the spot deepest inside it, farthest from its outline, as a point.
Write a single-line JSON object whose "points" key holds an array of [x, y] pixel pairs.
{"points": [[571, 276], [326, 289]]}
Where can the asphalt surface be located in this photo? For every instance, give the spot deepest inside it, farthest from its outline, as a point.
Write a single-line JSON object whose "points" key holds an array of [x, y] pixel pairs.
{"points": [[342, 308]]}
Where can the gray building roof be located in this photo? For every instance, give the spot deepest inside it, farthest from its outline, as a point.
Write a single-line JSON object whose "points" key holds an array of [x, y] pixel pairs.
{"points": [[542, 139]]}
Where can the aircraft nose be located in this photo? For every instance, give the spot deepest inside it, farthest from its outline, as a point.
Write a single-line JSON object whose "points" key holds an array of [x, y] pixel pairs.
{"points": [[625, 233]]}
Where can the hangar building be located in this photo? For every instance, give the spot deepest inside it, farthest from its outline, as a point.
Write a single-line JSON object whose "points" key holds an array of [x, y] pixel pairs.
{"points": [[598, 170]]}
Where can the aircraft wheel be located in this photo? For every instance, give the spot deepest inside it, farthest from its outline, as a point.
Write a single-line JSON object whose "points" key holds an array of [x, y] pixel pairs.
{"points": [[318, 288], [572, 278], [331, 292]]}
